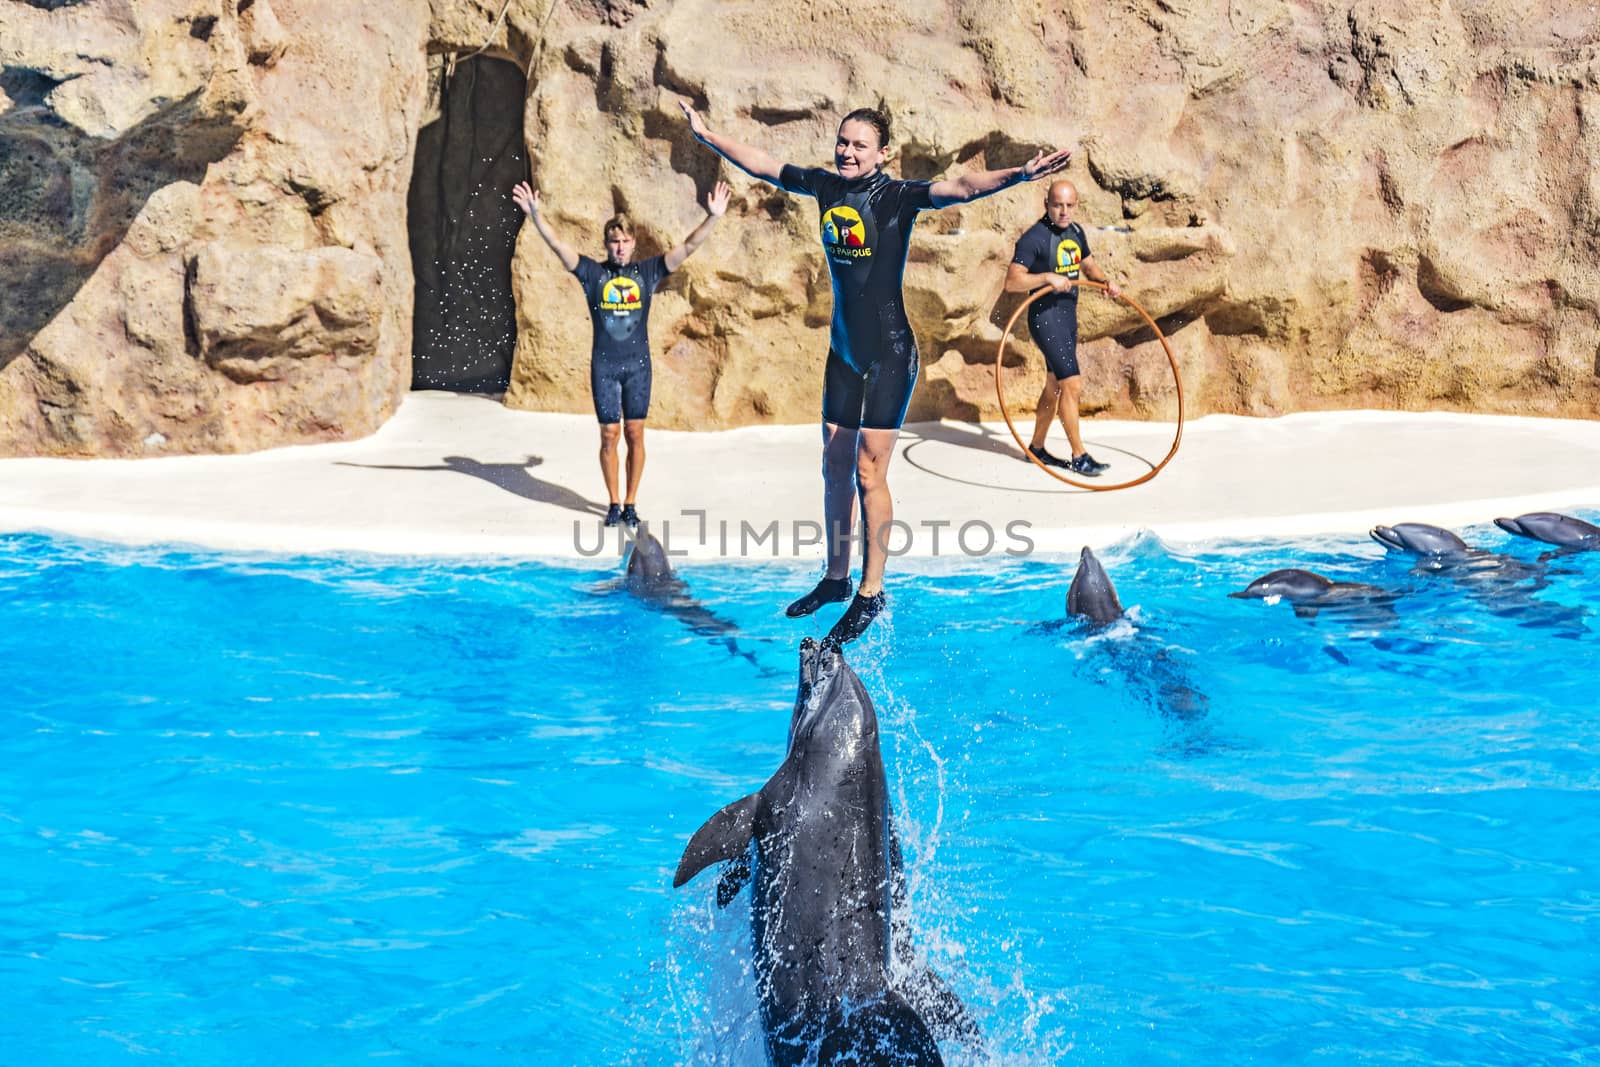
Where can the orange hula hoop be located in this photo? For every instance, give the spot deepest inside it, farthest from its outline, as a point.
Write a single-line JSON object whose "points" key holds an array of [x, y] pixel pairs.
{"points": [[999, 360]]}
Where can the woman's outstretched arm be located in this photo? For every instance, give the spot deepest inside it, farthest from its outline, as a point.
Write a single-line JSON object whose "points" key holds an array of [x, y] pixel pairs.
{"points": [[756, 162], [986, 183]]}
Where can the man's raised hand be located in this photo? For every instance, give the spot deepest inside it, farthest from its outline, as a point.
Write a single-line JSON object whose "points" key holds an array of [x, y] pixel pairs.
{"points": [[717, 200], [526, 197]]}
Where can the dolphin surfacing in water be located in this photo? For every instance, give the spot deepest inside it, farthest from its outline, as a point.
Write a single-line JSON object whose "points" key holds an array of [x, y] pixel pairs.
{"points": [[1311, 592], [1091, 595], [1554, 528], [651, 579], [1503, 584], [1092, 599], [817, 846]]}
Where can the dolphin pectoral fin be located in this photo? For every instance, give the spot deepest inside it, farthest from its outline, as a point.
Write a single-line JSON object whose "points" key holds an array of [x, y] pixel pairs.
{"points": [[725, 836], [734, 876], [1305, 611], [886, 1031], [941, 1008]]}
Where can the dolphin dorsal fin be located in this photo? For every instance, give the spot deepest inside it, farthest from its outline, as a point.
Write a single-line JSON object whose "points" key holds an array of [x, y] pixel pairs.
{"points": [[725, 836]]}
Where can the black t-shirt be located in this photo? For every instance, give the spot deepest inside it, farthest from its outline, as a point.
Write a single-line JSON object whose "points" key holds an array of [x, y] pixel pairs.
{"points": [[619, 304], [866, 228], [1043, 249]]}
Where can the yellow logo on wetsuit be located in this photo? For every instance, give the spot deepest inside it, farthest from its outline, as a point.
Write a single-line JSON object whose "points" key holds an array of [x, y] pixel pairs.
{"points": [[620, 295], [844, 234], [1068, 256]]}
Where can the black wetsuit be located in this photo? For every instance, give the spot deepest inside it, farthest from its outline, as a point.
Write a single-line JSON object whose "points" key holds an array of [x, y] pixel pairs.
{"points": [[872, 355], [1053, 319], [619, 304]]}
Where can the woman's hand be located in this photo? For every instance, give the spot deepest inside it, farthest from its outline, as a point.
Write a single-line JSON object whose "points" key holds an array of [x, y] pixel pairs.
{"points": [[717, 200], [697, 125], [526, 197], [1041, 165]]}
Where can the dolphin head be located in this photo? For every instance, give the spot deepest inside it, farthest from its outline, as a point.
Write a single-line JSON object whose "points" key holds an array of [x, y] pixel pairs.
{"points": [[1291, 583], [1420, 538], [832, 711], [1553, 528], [1091, 595], [647, 563]]}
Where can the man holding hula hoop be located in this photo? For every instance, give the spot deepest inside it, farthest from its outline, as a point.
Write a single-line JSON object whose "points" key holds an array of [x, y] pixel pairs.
{"points": [[872, 355], [1054, 253], [618, 292]]}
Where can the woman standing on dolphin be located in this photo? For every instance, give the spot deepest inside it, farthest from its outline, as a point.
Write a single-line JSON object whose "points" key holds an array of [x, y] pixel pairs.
{"points": [[872, 355]]}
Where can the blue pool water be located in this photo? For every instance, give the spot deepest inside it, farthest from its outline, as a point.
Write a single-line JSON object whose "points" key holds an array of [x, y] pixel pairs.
{"points": [[259, 810]]}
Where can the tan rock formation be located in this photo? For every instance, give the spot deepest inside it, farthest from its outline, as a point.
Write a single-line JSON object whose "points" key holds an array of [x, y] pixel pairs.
{"points": [[1386, 203], [202, 242], [1332, 204]]}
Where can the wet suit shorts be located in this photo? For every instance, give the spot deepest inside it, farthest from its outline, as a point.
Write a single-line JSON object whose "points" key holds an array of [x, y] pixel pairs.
{"points": [[621, 388], [876, 400], [1057, 338]]}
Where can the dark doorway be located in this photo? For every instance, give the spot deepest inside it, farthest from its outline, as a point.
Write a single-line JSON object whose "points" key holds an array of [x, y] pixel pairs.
{"points": [[464, 228]]}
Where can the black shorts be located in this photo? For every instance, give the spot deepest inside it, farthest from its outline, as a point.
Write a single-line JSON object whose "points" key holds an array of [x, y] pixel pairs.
{"points": [[1057, 338], [621, 389], [874, 399]]}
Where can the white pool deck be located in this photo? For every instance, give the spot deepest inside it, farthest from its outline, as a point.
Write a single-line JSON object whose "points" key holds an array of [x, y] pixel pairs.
{"points": [[464, 476]]}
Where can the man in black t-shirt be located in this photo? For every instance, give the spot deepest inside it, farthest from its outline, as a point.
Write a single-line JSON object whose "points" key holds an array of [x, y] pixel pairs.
{"points": [[618, 293], [1054, 252]]}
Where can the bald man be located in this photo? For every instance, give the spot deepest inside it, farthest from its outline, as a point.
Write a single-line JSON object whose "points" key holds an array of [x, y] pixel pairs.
{"points": [[1054, 253]]}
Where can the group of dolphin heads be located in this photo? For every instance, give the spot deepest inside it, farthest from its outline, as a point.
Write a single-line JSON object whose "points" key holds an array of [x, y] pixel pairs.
{"points": [[817, 846], [1310, 592]]}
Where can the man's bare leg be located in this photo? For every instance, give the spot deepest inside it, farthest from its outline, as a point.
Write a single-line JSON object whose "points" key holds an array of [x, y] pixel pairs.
{"points": [[1046, 412], [610, 433], [633, 433], [1067, 407]]}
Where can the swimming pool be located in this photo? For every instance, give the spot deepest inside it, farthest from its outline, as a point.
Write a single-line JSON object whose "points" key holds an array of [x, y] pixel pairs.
{"points": [[314, 811]]}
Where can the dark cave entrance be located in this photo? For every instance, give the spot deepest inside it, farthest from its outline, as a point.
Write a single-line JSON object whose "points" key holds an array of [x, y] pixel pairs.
{"points": [[464, 228]]}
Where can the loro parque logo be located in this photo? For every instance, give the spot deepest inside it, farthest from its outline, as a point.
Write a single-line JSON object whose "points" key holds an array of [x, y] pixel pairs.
{"points": [[620, 294], [1068, 256], [843, 232]]}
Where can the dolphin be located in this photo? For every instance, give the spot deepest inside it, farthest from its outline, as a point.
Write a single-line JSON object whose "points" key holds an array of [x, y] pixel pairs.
{"points": [[1091, 595], [650, 577], [650, 573], [1154, 672], [1311, 592], [817, 845], [1420, 538], [1502, 584], [1553, 528]]}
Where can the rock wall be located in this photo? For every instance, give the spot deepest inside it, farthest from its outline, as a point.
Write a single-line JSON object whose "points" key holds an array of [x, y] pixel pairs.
{"points": [[202, 229], [1368, 204], [1376, 203]]}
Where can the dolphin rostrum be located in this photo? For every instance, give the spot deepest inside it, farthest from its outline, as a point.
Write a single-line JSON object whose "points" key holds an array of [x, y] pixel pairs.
{"points": [[818, 849]]}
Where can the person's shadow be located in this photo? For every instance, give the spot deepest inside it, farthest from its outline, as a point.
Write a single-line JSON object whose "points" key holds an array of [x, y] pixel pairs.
{"points": [[512, 477]]}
